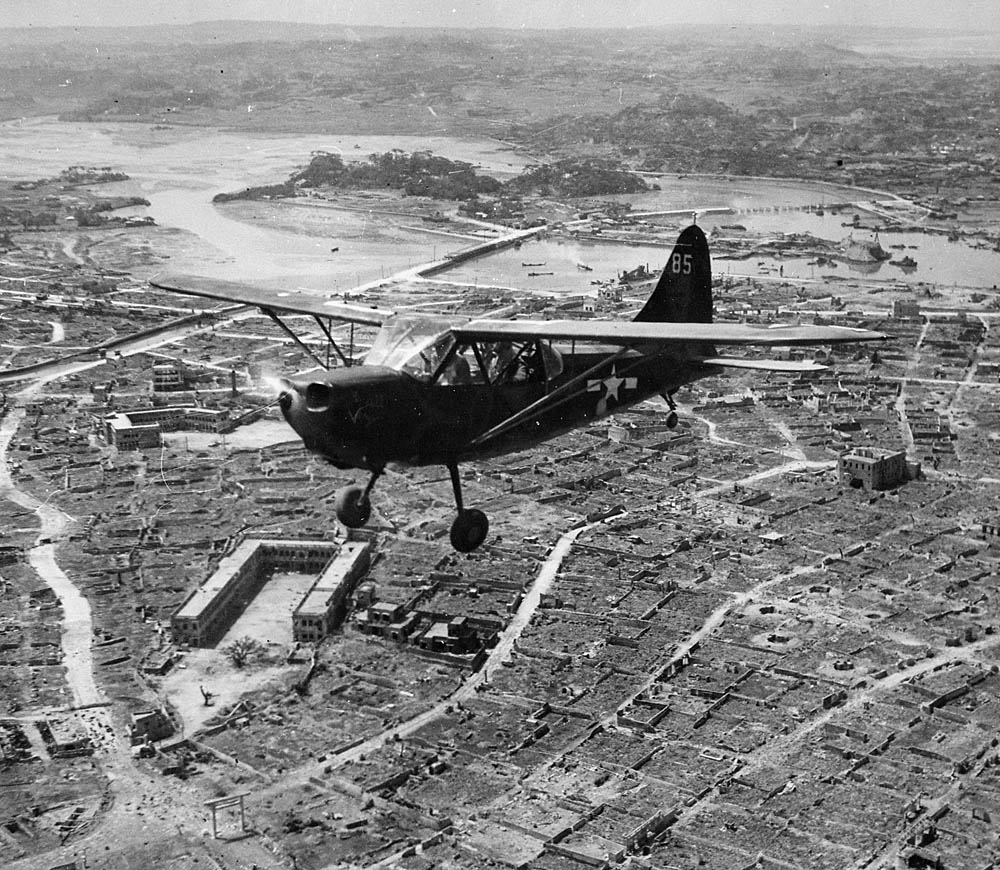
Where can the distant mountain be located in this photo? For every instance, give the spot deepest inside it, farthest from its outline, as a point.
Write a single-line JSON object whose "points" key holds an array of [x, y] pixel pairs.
{"points": [[173, 34], [868, 38]]}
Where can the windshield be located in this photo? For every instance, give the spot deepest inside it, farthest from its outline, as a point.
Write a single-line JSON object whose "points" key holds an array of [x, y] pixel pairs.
{"points": [[415, 345]]}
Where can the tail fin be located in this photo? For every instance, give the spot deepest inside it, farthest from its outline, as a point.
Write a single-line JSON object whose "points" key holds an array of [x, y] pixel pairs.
{"points": [[684, 292]]}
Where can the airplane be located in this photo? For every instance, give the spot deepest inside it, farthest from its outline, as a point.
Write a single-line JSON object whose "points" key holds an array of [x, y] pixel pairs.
{"points": [[434, 390]]}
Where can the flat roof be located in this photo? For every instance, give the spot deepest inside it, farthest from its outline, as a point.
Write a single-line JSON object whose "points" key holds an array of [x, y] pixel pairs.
{"points": [[317, 600], [871, 454], [273, 543], [122, 422], [203, 595], [437, 629], [348, 556]]}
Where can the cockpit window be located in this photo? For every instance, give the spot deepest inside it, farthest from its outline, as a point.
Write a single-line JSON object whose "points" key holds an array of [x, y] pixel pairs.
{"points": [[413, 345], [512, 362], [424, 348], [462, 368]]}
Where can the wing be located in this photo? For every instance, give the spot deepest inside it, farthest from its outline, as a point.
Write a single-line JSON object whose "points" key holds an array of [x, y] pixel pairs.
{"points": [[763, 365], [282, 301], [630, 333]]}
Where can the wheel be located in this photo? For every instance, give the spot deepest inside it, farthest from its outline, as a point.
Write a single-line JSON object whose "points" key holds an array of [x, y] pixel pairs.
{"points": [[353, 507], [469, 530], [672, 420]]}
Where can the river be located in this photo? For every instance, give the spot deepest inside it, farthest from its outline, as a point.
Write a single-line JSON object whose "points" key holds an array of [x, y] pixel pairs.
{"points": [[179, 169]]}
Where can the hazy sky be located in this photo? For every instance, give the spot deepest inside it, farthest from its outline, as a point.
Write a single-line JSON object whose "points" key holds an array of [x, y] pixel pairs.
{"points": [[956, 14]]}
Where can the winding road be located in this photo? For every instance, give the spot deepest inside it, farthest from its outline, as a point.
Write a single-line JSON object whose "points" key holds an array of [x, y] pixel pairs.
{"points": [[911, 367], [500, 653], [77, 625]]}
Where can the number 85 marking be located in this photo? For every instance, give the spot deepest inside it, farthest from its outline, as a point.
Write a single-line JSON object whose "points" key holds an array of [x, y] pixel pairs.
{"points": [[681, 264]]}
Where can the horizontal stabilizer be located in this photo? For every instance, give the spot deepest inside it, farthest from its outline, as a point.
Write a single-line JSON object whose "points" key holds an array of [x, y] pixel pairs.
{"points": [[764, 365], [283, 301]]}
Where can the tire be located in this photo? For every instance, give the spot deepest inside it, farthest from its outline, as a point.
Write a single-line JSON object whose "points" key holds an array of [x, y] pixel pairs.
{"points": [[352, 506], [469, 530]]}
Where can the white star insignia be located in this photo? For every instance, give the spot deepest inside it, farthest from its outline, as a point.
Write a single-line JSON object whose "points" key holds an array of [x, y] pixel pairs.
{"points": [[611, 385]]}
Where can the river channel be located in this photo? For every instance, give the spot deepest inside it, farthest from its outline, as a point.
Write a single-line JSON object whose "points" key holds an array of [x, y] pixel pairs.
{"points": [[179, 170]]}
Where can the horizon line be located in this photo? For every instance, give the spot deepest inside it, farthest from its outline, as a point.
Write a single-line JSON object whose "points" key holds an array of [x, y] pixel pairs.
{"points": [[784, 25]]}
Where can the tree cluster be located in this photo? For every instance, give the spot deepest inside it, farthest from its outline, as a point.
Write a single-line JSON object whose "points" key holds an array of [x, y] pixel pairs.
{"points": [[26, 218], [243, 651], [91, 175], [87, 217], [574, 178], [418, 174], [424, 174]]}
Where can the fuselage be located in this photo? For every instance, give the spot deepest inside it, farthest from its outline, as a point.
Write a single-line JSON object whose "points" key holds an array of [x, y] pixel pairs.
{"points": [[439, 390], [369, 416]]}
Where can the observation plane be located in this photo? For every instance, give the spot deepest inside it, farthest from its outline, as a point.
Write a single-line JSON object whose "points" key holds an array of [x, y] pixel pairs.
{"points": [[433, 390]]}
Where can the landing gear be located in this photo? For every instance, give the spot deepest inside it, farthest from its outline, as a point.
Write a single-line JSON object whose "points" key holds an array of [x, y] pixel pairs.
{"points": [[471, 526], [672, 418], [353, 504], [469, 530], [353, 507]]}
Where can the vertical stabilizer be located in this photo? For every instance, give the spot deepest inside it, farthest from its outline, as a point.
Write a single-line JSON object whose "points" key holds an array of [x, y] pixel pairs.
{"points": [[684, 292]]}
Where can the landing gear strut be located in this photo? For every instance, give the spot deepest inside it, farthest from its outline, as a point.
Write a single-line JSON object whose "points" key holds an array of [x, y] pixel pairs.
{"points": [[471, 526], [353, 505], [672, 417]]}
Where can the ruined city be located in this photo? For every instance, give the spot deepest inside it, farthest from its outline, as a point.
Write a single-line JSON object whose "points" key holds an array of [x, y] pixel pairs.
{"points": [[764, 637]]}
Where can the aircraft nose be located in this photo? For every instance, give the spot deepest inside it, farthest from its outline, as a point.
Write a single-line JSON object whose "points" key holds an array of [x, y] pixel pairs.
{"points": [[295, 398]]}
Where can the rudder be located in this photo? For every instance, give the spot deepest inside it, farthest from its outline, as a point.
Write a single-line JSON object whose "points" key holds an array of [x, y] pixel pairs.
{"points": [[684, 292]]}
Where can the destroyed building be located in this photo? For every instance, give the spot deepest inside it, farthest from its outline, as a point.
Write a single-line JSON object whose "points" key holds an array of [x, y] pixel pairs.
{"points": [[134, 430], [211, 609], [873, 468]]}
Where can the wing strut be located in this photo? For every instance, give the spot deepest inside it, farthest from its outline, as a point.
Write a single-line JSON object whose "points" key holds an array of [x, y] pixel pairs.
{"points": [[547, 402], [329, 338], [294, 337]]}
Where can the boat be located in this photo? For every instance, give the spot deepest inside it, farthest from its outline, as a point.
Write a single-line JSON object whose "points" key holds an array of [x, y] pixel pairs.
{"points": [[862, 251]]}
